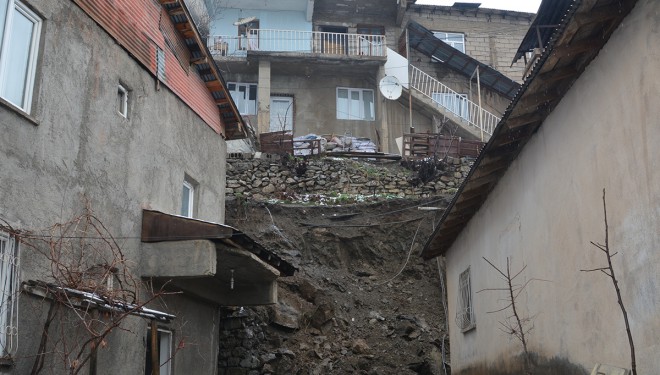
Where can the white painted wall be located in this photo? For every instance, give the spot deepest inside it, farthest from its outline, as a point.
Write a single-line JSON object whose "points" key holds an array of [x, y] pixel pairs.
{"points": [[605, 133]]}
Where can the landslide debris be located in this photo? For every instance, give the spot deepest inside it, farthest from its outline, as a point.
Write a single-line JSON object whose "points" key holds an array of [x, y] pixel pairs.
{"points": [[362, 300]]}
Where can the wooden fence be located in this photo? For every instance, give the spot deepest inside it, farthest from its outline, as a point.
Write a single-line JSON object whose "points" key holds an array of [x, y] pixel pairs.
{"points": [[282, 143], [423, 145]]}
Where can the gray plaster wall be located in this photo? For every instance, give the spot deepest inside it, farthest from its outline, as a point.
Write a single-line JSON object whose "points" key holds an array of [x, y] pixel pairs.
{"points": [[74, 144], [548, 207]]}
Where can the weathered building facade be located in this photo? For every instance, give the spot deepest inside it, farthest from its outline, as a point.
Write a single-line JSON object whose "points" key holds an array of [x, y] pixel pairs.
{"points": [[114, 122], [582, 131], [315, 66]]}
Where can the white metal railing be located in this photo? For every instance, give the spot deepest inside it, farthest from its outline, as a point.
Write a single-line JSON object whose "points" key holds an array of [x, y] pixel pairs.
{"points": [[458, 104], [298, 41]]}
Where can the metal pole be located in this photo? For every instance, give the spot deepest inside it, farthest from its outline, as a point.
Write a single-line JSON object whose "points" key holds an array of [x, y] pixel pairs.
{"points": [[481, 111], [410, 122]]}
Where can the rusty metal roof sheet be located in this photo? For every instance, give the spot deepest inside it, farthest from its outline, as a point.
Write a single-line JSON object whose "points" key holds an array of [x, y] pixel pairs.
{"points": [[583, 31]]}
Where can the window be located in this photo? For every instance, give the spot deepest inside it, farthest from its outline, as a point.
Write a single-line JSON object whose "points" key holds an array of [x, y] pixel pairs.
{"points": [[8, 293], [464, 309], [164, 353], [19, 39], [281, 113], [160, 63], [187, 198], [122, 101], [455, 103], [355, 104], [245, 97], [456, 40], [248, 33]]}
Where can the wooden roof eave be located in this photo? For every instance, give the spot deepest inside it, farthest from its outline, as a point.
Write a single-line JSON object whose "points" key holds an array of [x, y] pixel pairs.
{"points": [[188, 30], [538, 96]]}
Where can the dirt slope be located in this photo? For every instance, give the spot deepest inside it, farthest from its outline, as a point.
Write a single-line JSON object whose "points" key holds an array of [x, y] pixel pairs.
{"points": [[352, 308]]}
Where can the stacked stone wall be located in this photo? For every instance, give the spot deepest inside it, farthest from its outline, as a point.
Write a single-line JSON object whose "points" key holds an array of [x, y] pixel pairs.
{"points": [[264, 179]]}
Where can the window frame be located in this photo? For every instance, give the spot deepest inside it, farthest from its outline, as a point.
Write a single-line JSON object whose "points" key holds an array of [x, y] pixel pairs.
{"points": [[33, 53], [341, 115], [165, 336], [247, 107], [191, 198], [123, 105], [446, 37], [9, 282], [465, 317]]}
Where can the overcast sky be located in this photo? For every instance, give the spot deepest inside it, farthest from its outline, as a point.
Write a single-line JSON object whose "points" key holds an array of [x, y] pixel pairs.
{"points": [[530, 6]]}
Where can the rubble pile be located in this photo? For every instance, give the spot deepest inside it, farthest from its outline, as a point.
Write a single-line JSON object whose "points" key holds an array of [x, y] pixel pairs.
{"points": [[361, 302]]}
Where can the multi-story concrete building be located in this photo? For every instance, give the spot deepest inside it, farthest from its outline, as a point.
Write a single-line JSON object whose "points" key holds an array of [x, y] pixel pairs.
{"points": [[315, 66], [114, 120]]}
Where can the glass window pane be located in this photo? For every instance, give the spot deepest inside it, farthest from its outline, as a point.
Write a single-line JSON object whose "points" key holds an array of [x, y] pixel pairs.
{"points": [[185, 200], [354, 106], [368, 100], [18, 48], [3, 14], [342, 104]]}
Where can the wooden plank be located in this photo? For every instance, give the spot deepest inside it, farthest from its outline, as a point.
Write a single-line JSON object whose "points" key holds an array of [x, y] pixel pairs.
{"points": [[558, 74], [576, 47], [523, 120]]}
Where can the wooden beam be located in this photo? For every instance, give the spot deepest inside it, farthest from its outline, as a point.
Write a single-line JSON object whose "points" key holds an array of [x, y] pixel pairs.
{"points": [[200, 60], [214, 85], [534, 100], [576, 47], [490, 169], [176, 11], [519, 121], [558, 74], [221, 101], [166, 2]]}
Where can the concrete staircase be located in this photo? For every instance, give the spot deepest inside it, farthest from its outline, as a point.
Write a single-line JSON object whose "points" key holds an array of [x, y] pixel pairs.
{"points": [[434, 98]]}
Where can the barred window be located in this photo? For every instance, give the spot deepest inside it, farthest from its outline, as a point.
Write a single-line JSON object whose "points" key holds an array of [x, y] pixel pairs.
{"points": [[464, 310], [8, 293]]}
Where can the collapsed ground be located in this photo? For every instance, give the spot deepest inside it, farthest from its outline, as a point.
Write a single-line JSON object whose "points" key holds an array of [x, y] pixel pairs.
{"points": [[362, 300]]}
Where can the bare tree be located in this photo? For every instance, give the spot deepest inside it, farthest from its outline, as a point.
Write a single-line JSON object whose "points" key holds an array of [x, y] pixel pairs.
{"points": [[89, 287], [609, 271], [516, 325]]}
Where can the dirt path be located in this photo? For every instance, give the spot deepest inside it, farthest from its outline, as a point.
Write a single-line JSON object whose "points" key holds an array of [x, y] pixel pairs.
{"points": [[352, 308]]}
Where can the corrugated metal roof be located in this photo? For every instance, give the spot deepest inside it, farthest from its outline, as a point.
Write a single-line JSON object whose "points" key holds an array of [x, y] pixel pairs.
{"points": [[205, 64], [423, 40], [549, 16], [583, 31]]}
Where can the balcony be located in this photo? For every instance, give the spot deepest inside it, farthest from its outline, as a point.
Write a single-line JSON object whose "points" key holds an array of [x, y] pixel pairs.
{"points": [[298, 43]]}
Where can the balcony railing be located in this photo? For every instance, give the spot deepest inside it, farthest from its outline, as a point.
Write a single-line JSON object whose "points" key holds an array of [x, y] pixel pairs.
{"points": [[302, 42], [456, 103]]}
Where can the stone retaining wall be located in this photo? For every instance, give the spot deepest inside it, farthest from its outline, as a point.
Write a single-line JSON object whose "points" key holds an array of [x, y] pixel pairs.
{"points": [[263, 179]]}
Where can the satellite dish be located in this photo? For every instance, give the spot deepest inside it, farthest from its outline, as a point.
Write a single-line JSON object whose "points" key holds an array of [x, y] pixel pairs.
{"points": [[390, 87], [243, 21]]}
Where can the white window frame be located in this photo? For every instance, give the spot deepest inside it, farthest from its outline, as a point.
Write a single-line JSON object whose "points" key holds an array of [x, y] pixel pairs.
{"points": [[465, 319], [457, 104], [361, 114], [445, 35], [165, 351], [9, 280], [249, 107], [123, 101], [28, 87], [191, 198]]}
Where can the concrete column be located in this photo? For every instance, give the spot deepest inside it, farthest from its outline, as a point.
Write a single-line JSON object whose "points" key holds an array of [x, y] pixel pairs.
{"points": [[263, 97], [381, 113]]}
